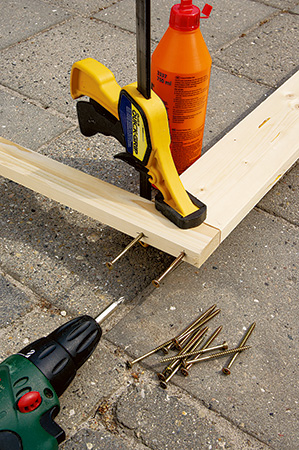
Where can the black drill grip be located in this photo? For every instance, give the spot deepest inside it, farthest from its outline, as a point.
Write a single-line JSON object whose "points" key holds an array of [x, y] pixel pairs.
{"points": [[10, 440], [59, 355]]}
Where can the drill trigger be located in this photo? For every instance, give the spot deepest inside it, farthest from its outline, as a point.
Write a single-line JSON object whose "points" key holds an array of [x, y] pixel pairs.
{"points": [[51, 427]]}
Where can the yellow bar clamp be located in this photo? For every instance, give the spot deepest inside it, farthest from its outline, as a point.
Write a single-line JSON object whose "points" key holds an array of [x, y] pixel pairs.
{"points": [[91, 78]]}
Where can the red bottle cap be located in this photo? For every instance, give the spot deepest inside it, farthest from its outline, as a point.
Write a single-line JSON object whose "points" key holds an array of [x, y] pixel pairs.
{"points": [[186, 16]]}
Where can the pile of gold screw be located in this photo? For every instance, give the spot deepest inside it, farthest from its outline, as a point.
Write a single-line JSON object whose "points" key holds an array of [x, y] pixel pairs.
{"points": [[190, 346]]}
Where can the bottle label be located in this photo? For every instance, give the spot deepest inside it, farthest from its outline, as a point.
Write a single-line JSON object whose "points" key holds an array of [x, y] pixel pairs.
{"points": [[190, 94], [185, 98]]}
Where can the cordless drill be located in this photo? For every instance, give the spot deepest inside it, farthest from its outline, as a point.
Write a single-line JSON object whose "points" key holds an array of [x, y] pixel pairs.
{"points": [[32, 380]]}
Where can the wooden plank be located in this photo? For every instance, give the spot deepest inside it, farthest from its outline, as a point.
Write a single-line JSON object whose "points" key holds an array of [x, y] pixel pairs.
{"points": [[102, 201], [243, 166], [231, 178]]}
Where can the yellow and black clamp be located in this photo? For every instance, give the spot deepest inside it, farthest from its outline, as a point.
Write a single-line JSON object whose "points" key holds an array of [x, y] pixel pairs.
{"points": [[137, 117]]}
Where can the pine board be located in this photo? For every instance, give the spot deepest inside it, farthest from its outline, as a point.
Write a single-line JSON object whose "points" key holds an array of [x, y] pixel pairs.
{"points": [[104, 202], [242, 167], [230, 178]]}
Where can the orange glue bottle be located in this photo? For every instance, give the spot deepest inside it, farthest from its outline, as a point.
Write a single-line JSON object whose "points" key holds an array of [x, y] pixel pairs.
{"points": [[180, 73]]}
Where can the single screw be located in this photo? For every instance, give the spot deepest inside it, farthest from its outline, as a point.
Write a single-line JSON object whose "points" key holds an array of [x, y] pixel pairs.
{"points": [[212, 338], [129, 364], [223, 346], [172, 266], [220, 354], [226, 370], [130, 245]]}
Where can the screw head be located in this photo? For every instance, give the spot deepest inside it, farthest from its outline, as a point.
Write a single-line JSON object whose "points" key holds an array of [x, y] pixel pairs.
{"points": [[128, 365], [161, 376], [226, 371], [184, 372]]}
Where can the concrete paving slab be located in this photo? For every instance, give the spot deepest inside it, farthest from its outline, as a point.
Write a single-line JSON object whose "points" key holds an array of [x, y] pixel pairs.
{"points": [[13, 301], [228, 19], [265, 54], [53, 53], [82, 7], [29, 249], [21, 19], [164, 420], [102, 375], [96, 440], [38, 322], [251, 277], [287, 5], [28, 124]]}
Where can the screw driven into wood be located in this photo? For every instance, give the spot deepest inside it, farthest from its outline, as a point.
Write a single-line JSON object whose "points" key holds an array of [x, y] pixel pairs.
{"points": [[172, 266], [226, 370], [110, 264]]}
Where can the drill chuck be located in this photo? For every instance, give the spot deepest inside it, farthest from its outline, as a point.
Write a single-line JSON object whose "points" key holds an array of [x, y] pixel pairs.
{"points": [[59, 355]]}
